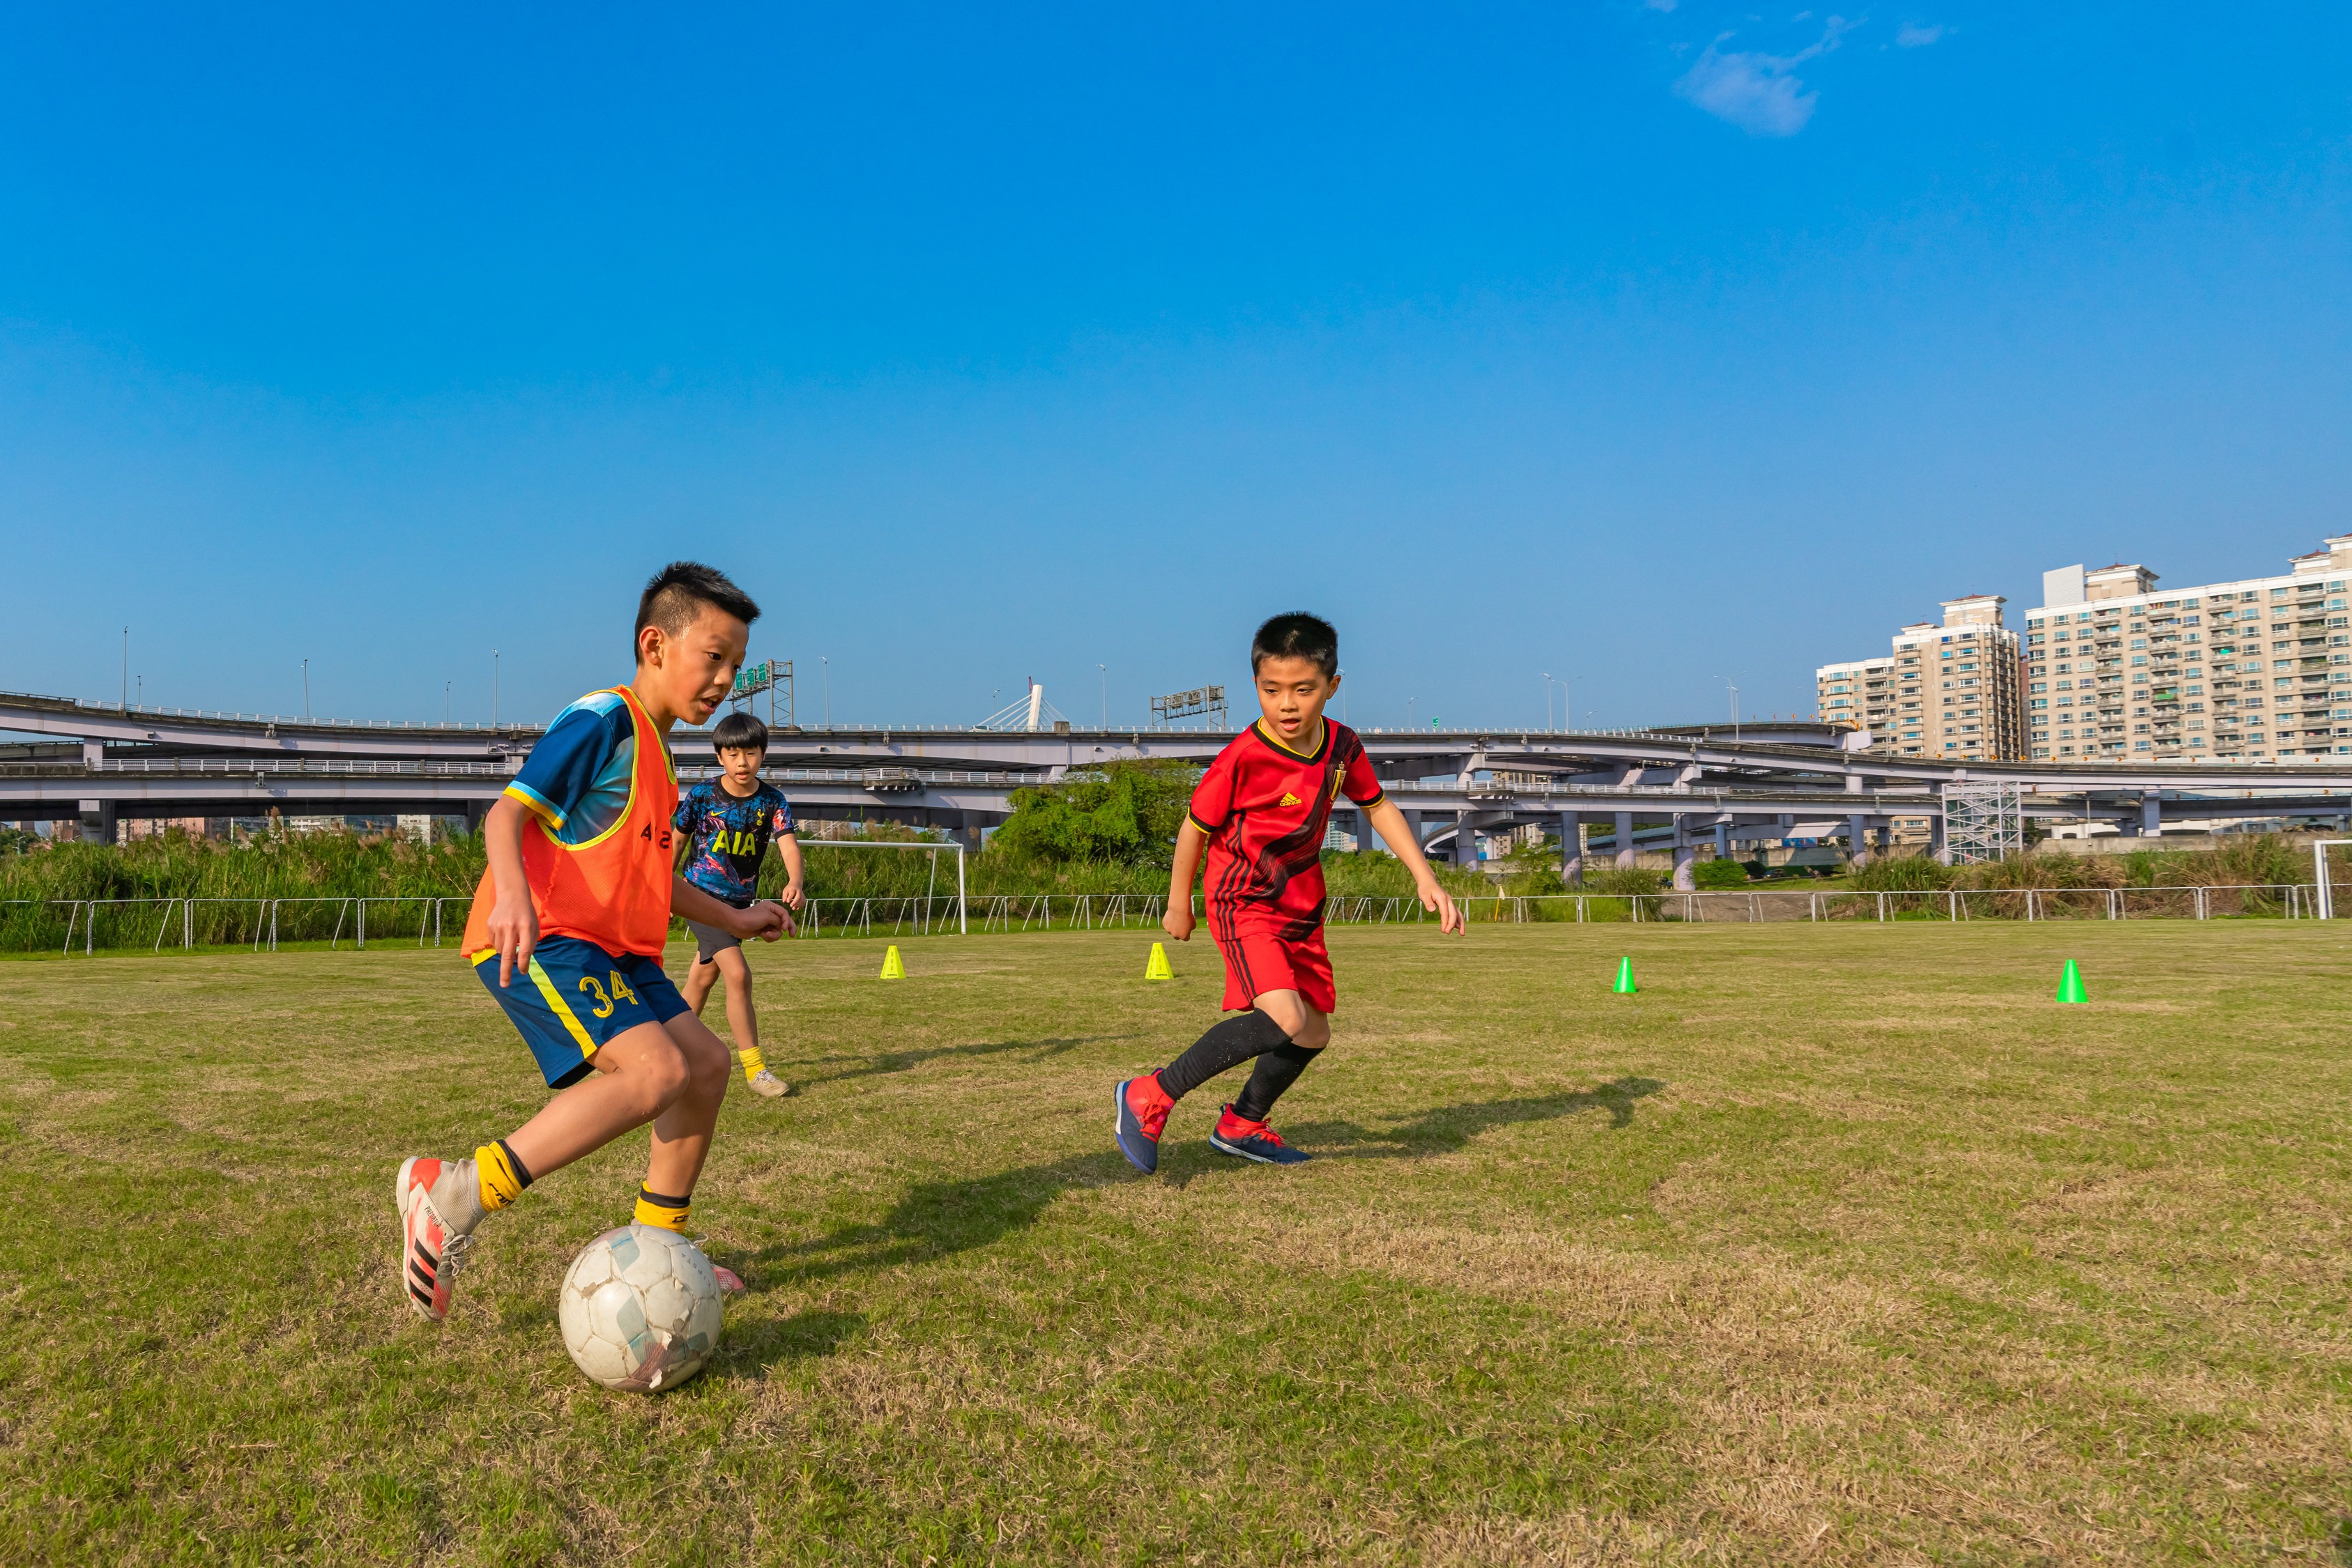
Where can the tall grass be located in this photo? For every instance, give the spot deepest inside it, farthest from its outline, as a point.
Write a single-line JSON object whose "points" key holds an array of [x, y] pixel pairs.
{"points": [[43, 887], [47, 883]]}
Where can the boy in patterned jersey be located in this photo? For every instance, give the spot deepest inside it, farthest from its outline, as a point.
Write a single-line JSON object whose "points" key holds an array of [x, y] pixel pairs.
{"points": [[567, 932], [1260, 812], [728, 822]]}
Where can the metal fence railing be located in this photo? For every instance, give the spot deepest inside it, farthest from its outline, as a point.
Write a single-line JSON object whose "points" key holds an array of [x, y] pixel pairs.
{"points": [[266, 924]]}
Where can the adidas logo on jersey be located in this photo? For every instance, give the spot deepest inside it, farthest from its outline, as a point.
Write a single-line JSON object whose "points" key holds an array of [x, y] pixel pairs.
{"points": [[1290, 800]]}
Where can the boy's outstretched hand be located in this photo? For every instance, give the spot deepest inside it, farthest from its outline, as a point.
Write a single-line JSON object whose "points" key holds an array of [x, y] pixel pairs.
{"points": [[767, 920], [1435, 899]]}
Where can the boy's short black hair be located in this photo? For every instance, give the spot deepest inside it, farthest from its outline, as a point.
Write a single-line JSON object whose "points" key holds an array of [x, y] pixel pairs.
{"points": [[1297, 635], [738, 731], [678, 593]]}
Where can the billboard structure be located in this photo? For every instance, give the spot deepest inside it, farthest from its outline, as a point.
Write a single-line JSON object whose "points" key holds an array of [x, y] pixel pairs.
{"points": [[1209, 701], [770, 676]]}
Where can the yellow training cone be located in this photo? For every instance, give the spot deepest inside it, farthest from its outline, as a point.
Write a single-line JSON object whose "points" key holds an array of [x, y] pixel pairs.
{"points": [[1156, 967], [893, 966]]}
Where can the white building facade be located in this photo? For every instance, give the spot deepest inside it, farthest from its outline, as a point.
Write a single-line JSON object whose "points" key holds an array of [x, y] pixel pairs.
{"points": [[1952, 690], [2254, 671]]}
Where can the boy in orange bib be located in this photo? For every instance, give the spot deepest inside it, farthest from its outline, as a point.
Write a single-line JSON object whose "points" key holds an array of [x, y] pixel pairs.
{"points": [[567, 930], [1259, 813]]}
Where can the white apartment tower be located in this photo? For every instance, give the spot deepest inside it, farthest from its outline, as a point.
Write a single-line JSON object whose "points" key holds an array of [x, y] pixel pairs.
{"points": [[1954, 690], [2258, 671]]}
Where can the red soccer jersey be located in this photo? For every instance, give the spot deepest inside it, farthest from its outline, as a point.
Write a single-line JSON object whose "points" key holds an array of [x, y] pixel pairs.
{"points": [[1265, 809]]}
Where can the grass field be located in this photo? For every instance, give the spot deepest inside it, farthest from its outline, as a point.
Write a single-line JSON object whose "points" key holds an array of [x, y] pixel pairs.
{"points": [[1835, 1244]]}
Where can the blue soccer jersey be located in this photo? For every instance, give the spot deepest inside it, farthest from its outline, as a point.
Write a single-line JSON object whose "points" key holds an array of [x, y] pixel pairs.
{"points": [[577, 781], [731, 837]]}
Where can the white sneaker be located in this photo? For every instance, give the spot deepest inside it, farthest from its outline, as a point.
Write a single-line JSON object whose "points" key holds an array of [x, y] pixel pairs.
{"points": [[767, 1083], [430, 1256]]}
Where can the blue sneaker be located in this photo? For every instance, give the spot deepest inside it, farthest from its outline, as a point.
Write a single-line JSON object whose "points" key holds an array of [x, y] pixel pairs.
{"points": [[1253, 1141], [1141, 1109]]}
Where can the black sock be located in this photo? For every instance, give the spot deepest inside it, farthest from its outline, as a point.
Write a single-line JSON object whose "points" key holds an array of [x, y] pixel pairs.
{"points": [[1229, 1044], [1276, 1071]]}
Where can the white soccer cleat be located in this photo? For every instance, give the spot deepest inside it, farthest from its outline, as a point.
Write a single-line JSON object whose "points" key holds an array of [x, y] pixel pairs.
{"points": [[430, 1256], [767, 1083]]}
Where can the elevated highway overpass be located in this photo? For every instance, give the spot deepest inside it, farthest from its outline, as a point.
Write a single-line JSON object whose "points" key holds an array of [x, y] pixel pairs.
{"points": [[102, 765]]}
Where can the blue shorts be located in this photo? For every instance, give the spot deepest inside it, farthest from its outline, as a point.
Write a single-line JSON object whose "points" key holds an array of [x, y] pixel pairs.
{"points": [[576, 996]]}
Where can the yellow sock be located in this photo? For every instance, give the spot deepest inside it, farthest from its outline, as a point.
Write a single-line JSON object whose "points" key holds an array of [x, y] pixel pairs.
{"points": [[754, 1063], [501, 1175], [669, 1213]]}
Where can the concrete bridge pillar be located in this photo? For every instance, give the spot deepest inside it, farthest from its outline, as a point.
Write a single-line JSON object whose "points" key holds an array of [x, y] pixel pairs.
{"points": [[2151, 814], [1723, 841], [1571, 849], [1413, 825], [1685, 852], [1624, 841], [1939, 843], [474, 812], [1857, 841], [1365, 837], [1466, 841], [99, 822]]}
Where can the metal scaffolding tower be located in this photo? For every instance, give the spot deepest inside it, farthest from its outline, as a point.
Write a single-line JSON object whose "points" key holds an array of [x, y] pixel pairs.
{"points": [[1983, 821]]}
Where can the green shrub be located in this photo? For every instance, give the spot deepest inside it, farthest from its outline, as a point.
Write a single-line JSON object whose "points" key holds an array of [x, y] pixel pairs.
{"points": [[1123, 814], [1719, 873]]}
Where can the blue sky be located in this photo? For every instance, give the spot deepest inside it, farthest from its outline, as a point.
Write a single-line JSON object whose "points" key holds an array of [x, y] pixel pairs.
{"points": [[1648, 344]]}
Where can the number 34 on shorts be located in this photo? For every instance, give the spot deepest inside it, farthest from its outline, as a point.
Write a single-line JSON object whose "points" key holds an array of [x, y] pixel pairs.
{"points": [[573, 997]]}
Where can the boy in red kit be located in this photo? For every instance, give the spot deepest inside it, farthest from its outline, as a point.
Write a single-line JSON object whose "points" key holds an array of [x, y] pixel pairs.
{"points": [[1260, 812]]}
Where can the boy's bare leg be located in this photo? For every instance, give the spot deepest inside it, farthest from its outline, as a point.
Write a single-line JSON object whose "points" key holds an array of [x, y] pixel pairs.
{"points": [[673, 1076], [743, 1023], [1309, 1027], [699, 978], [682, 1132], [640, 1074]]}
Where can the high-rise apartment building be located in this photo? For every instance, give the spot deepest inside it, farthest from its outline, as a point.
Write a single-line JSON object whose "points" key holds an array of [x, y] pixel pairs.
{"points": [[2257, 671], [1954, 690]]}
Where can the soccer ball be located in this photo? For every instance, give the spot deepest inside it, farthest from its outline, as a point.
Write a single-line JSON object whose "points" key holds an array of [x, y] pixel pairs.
{"points": [[640, 1308]]}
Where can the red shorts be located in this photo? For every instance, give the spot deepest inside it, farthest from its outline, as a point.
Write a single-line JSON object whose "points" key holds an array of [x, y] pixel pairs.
{"points": [[1258, 961]]}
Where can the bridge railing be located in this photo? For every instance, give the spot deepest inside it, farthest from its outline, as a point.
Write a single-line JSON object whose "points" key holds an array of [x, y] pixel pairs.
{"points": [[88, 925]]}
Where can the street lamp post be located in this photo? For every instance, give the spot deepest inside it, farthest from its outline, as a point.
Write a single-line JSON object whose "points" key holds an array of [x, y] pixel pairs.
{"points": [[126, 667], [1735, 706], [306, 691], [494, 688], [825, 670], [1106, 694]]}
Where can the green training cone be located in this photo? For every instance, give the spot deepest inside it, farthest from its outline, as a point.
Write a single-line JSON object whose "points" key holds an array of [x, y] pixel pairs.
{"points": [[1625, 986], [2070, 985]]}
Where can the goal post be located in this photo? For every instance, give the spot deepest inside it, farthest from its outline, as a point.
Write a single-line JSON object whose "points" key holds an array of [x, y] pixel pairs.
{"points": [[964, 926], [2324, 892]]}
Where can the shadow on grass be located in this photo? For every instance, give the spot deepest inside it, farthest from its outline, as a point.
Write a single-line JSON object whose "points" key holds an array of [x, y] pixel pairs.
{"points": [[803, 1337], [940, 1219], [900, 1060], [1447, 1128]]}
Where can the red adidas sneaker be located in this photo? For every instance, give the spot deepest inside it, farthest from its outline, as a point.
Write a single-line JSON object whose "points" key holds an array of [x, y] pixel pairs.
{"points": [[430, 1257], [1141, 1111]]}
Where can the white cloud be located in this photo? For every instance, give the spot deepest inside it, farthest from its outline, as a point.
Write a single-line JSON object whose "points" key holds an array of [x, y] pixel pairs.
{"points": [[1661, 5], [1751, 91], [1919, 35], [1757, 92]]}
